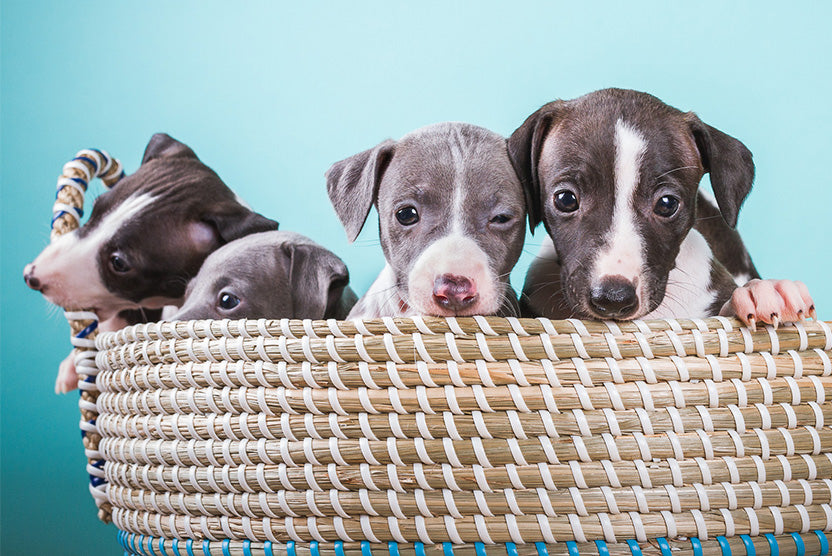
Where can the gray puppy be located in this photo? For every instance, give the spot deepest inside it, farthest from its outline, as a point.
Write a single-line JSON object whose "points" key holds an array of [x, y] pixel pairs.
{"points": [[269, 275], [452, 218]]}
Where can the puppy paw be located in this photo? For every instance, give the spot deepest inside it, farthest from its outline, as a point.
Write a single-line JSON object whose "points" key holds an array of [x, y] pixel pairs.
{"points": [[770, 302], [67, 380]]}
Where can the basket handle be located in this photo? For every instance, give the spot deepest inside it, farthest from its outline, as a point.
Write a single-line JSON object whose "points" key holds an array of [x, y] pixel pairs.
{"points": [[66, 217], [72, 187]]}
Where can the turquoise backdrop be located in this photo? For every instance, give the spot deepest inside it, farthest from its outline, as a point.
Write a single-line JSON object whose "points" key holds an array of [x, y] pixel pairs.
{"points": [[269, 94]]}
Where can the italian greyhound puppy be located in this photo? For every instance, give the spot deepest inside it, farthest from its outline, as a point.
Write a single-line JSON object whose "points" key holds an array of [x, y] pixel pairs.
{"points": [[452, 217], [269, 275], [145, 238], [615, 177]]}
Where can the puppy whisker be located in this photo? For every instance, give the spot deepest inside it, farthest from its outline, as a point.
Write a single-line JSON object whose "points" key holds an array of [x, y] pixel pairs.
{"points": [[675, 170]]}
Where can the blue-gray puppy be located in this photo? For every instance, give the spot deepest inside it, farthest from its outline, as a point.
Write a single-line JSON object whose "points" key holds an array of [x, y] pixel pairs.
{"points": [[269, 275]]}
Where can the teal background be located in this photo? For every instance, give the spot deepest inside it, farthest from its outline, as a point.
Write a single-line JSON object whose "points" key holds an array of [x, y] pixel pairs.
{"points": [[270, 94]]}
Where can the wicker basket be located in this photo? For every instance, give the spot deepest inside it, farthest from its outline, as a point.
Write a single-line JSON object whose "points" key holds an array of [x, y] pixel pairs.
{"points": [[475, 436], [466, 435]]}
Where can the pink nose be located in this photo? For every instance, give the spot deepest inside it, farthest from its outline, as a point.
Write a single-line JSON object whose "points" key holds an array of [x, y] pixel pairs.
{"points": [[30, 278], [454, 292]]}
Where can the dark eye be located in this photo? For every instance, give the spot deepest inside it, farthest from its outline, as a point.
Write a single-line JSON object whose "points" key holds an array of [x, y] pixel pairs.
{"points": [[500, 219], [228, 301], [666, 206], [119, 263], [566, 201], [407, 216]]}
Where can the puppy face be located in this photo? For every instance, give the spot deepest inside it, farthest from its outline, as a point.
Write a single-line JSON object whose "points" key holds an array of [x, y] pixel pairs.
{"points": [[146, 237], [267, 275], [615, 175], [451, 215]]}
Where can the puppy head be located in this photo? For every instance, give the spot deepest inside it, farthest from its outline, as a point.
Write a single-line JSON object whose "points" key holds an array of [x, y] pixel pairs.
{"points": [[145, 237], [614, 176], [267, 275], [451, 214]]}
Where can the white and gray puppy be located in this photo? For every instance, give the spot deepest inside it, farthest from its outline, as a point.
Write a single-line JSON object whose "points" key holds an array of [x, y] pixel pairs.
{"points": [[269, 275], [452, 216], [615, 176]]}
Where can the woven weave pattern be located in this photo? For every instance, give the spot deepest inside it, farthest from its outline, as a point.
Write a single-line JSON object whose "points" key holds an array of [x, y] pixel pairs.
{"points": [[475, 430]]}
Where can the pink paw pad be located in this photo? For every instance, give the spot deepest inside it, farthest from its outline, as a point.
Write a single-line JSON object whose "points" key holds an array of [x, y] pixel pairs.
{"points": [[772, 302]]}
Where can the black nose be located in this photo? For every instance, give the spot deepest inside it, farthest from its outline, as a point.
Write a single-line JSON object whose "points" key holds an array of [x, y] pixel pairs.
{"points": [[614, 298], [30, 278]]}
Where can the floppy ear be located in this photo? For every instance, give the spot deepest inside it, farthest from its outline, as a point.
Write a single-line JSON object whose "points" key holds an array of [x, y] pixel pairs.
{"points": [[233, 221], [352, 185], [317, 278], [524, 148], [163, 145], [730, 164]]}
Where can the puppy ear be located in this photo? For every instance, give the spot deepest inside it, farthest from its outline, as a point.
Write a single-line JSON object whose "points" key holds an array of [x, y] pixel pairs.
{"points": [[352, 185], [730, 164], [163, 145], [234, 221], [524, 148], [317, 279]]}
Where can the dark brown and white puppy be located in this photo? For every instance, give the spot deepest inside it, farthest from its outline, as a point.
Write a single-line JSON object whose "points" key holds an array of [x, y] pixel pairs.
{"points": [[269, 275], [145, 238], [451, 221], [615, 177]]}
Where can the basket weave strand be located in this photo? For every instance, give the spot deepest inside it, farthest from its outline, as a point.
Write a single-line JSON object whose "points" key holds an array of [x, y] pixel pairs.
{"points": [[166, 344], [502, 424], [490, 529], [468, 503], [456, 400], [741, 366], [265, 478], [467, 430], [815, 542]]}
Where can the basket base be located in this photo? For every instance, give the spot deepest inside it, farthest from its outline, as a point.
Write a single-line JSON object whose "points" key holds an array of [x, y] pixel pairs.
{"points": [[794, 544]]}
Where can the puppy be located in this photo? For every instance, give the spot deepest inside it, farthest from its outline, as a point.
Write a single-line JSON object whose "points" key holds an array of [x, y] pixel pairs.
{"points": [[451, 221], [269, 275], [145, 238], [615, 178]]}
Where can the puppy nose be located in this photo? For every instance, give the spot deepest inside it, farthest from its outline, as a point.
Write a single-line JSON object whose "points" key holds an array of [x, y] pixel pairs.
{"points": [[30, 278], [454, 292], [614, 298]]}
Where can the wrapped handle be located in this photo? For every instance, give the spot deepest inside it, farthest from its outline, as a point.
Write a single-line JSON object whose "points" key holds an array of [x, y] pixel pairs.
{"points": [[66, 217]]}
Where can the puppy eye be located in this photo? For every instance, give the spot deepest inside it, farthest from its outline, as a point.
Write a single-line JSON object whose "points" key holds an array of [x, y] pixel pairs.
{"points": [[407, 216], [666, 206], [566, 201], [118, 263], [500, 219], [228, 301]]}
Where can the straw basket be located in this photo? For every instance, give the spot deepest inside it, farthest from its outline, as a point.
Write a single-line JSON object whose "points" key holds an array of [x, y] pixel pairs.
{"points": [[476, 436]]}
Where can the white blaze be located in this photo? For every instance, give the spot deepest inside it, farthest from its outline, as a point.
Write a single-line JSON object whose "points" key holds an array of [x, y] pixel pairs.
{"points": [[622, 250], [458, 158]]}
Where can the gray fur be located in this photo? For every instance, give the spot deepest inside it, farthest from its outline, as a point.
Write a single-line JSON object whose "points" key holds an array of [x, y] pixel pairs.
{"points": [[275, 275], [422, 169]]}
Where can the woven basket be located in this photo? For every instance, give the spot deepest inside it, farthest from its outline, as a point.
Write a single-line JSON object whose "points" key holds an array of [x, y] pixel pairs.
{"points": [[469, 435], [475, 436]]}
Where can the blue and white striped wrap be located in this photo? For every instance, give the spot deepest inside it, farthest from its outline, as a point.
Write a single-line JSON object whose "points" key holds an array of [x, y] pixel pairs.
{"points": [[76, 174]]}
